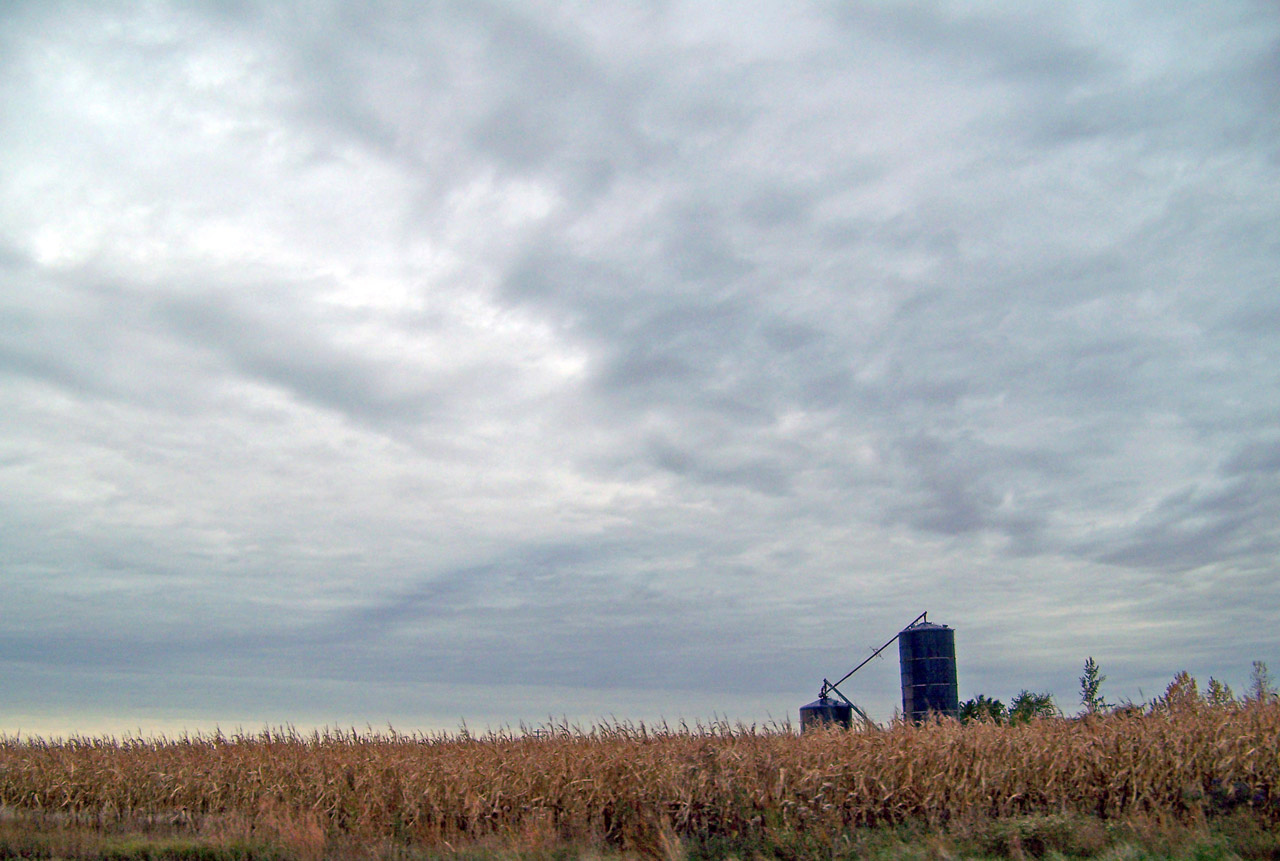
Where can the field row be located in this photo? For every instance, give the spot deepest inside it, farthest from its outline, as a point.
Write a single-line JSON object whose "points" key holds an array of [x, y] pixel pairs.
{"points": [[628, 785]]}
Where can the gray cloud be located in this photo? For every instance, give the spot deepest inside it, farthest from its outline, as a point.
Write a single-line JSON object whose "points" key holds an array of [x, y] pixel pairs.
{"points": [[654, 355]]}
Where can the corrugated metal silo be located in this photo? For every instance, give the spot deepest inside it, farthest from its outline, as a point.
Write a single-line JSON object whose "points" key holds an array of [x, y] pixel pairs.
{"points": [[928, 656]]}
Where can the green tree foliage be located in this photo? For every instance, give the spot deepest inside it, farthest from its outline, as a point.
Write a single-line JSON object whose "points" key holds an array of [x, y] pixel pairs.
{"points": [[1219, 695], [1090, 688], [1261, 687], [1029, 705], [983, 709], [1182, 693]]}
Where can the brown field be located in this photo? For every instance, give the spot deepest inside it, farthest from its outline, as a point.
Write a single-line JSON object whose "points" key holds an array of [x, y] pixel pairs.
{"points": [[708, 790]]}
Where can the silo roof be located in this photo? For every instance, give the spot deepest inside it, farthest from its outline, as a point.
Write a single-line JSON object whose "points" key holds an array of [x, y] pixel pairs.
{"points": [[925, 626]]}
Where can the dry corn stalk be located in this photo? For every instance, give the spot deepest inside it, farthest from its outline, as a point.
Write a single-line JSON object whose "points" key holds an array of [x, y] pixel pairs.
{"points": [[629, 784]]}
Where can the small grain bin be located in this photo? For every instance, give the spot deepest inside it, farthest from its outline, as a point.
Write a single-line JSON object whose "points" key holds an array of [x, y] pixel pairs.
{"points": [[928, 656], [825, 711]]}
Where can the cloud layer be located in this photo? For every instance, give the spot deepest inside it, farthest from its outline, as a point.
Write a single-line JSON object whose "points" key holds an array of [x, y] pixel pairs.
{"points": [[491, 361]]}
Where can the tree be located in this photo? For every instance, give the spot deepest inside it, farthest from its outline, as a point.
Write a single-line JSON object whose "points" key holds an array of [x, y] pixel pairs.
{"points": [[1261, 688], [1182, 693], [1090, 685], [1029, 705], [982, 709], [1219, 695]]}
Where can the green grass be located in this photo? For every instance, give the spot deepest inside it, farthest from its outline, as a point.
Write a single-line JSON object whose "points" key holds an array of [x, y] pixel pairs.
{"points": [[62, 843], [1051, 837]]}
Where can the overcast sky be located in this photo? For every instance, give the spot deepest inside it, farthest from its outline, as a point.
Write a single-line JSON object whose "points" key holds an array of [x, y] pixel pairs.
{"points": [[421, 362]]}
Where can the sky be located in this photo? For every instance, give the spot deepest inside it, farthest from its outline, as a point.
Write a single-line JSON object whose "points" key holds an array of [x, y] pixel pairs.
{"points": [[416, 364]]}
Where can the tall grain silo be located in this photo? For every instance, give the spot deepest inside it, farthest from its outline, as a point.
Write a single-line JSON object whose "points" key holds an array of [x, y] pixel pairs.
{"points": [[927, 653]]}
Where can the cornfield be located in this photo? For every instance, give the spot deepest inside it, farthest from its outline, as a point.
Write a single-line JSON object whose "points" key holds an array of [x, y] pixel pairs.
{"points": [[628, 786]]}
